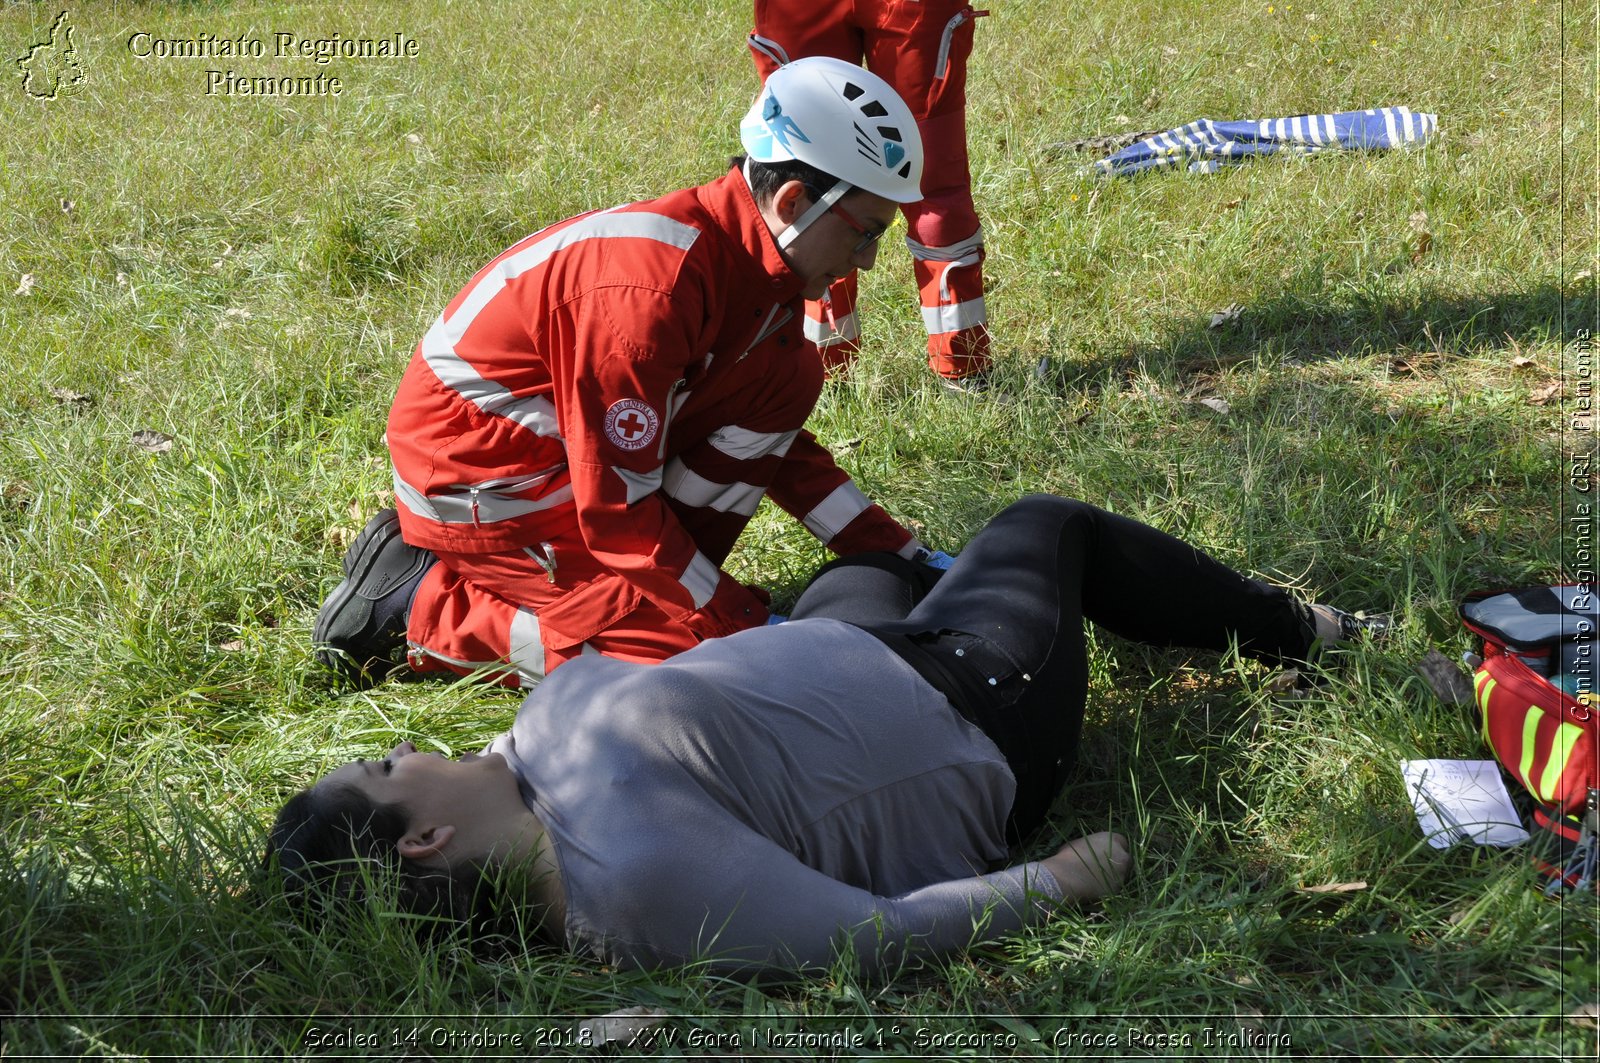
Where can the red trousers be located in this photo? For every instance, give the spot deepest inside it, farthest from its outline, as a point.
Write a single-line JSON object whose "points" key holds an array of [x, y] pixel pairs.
{"points": [[920, 47]]}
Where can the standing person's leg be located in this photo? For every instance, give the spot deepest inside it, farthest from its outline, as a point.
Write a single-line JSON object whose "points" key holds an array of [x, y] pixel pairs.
{"points": [[787, 30], [922, 50]]}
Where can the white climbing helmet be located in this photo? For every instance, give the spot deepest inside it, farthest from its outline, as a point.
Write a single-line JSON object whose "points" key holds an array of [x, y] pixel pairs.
{"points": [[844, 120]]}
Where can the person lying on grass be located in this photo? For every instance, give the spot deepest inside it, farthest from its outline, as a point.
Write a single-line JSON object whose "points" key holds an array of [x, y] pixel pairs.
{"points": [[842, 784]]}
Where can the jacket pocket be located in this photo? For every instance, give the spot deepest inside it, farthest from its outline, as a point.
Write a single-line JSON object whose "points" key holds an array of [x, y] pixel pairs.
{"points": [[587, 610]]}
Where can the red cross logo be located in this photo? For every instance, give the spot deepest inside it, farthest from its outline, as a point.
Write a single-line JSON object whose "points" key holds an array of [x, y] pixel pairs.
{"points": [[631, 424]]}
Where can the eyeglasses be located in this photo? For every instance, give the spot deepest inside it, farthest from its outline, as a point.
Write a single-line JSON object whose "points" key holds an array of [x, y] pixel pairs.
{"points": [[868, 236]]}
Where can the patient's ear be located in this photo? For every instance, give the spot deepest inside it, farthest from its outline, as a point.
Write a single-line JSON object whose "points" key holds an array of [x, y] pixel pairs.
{"points": [[423, 842]]}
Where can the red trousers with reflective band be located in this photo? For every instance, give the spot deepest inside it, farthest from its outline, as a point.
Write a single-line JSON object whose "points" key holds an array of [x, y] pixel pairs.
{"points": [[921, 49], [458, 624]]}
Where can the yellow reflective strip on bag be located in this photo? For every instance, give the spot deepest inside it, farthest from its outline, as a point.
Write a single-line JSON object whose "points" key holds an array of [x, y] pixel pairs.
{"points": [[1560, 751], [1530, 734], [1485, 687]]}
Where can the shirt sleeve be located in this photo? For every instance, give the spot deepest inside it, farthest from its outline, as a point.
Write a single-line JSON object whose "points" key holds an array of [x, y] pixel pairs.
{"points": [[615, 408], [812, 488], [758, 908]]}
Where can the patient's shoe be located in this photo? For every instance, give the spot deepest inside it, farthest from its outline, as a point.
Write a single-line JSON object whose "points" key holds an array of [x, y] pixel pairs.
{"points": [[1334, 626], [363, 623]]}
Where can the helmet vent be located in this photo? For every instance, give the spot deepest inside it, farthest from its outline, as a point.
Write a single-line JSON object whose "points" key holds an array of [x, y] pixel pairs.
{"points": [[889, 132], [874, 109], [905, 171], [852, 91]]}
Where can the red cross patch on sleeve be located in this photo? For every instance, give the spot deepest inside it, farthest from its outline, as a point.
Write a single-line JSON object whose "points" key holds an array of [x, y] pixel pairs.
{"points": [[631, 424]]}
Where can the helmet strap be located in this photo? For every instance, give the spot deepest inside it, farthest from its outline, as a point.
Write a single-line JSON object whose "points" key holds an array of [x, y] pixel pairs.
{"points": [[818, 209]]}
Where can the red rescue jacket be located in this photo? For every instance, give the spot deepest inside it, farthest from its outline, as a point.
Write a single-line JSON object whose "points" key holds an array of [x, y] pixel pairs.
{"points": [[605, 373]]}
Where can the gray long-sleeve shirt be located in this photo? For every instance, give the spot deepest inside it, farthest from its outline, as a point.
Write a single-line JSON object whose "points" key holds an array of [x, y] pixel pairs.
{"points": [[765, 799]]}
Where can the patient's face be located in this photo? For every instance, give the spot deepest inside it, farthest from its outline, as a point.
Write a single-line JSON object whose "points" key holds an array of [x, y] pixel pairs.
{"points": [[432, 787]]}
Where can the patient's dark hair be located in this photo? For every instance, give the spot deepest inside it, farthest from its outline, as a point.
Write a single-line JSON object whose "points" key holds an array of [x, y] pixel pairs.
{"points": [[334, 848]]}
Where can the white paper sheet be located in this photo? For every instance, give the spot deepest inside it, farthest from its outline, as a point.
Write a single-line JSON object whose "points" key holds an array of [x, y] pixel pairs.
{"points": [[1462, 800]]}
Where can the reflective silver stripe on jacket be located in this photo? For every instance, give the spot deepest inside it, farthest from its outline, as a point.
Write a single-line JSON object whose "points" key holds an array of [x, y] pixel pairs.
{"points": [[485, 503], [692, 489], [741, 444], [535, 413], [700, 579], [841, 507], [639, 484], [492, 501]]}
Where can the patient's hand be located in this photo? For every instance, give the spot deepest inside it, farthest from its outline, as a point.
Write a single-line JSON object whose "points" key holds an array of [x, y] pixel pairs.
{"points": [[1088, 868]]}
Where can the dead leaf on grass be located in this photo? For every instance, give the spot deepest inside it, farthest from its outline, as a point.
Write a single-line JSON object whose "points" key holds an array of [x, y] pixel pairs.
{"points": [[17, 495], [25, 285], [1586, 1014], [1543, 395], [231, 646], [1334, 887], [1219, 405], [1522, 361], [1445, 678], [154, 442], [70, 397], [1424, 237], [68, 205], [1228, 313]]}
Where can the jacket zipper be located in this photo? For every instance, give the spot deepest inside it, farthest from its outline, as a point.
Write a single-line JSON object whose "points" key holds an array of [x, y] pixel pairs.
{"points": [[674, 404]]}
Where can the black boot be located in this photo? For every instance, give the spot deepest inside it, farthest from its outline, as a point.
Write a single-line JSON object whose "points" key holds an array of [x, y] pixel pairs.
{"points": [[363, 623]]}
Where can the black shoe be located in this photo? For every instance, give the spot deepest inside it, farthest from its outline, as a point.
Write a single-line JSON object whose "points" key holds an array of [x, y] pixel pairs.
{"points": [[1351, 626], [363, 623]]}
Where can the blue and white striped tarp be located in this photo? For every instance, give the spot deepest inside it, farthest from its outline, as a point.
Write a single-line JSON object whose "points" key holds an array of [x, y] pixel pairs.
{"points": [[1207, 146]]}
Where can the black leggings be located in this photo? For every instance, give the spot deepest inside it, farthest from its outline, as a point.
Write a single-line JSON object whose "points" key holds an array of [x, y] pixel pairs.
{"points": [[1001, 633]]}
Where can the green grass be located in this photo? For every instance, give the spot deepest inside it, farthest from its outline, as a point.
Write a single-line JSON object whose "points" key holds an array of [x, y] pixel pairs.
{"points": [[248, 276]]}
